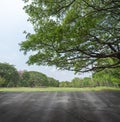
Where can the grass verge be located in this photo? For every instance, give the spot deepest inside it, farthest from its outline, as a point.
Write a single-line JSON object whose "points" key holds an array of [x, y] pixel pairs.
{"points": [[57, 89]]}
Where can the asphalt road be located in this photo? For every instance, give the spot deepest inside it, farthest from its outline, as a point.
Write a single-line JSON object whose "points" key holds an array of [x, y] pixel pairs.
{"points": [[60, 107]]}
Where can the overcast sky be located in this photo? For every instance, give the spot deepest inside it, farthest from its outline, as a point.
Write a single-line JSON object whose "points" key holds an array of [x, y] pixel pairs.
{"points": [[13, 21]]}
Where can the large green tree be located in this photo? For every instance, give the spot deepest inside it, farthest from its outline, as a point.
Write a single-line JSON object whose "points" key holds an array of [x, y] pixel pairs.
{"points": [[33, 79], [107, 77], [76, 35], [9, 74]]}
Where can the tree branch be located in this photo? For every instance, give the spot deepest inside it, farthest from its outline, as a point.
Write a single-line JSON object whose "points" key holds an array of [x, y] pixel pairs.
{"points": [[66, 6]]}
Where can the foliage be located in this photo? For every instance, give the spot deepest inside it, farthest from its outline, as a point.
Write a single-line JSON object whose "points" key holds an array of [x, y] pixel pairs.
{"points": [[33, 79], [76, 35], [76, 82], [10, 74], [103, 78], [37, 79], [10, 77], [52, 82], [64, 84], [2, 81], [107, 77], [24, 79]]}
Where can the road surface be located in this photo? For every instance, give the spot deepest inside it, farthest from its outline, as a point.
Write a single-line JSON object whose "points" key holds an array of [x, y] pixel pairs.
{"points": [[60, 107]]}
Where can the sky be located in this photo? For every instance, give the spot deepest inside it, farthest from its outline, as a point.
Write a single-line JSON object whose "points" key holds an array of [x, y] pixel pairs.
{"points": [[13, 22]]}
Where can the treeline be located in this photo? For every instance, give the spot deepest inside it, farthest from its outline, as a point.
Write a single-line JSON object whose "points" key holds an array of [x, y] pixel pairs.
{"points": [[10, 77], [106, 77]]}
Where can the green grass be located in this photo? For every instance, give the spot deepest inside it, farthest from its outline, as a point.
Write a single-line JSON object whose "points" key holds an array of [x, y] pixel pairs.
{"points": [[53, 89]]}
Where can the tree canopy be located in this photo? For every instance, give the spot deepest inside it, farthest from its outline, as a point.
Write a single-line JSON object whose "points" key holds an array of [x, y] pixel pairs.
{"points": [[37, 79], [33, 79], [8, 75], [76, 35]]}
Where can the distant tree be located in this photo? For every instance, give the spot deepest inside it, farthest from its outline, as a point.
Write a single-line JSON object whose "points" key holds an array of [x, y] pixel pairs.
{"points": [[33, 79], [64, 84], [25, 76], [37, 79], [53, 82], [115, 73], [2, 81], [76, 35], [87, 82], [107, 77], [77, 82], [10, 74]]}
